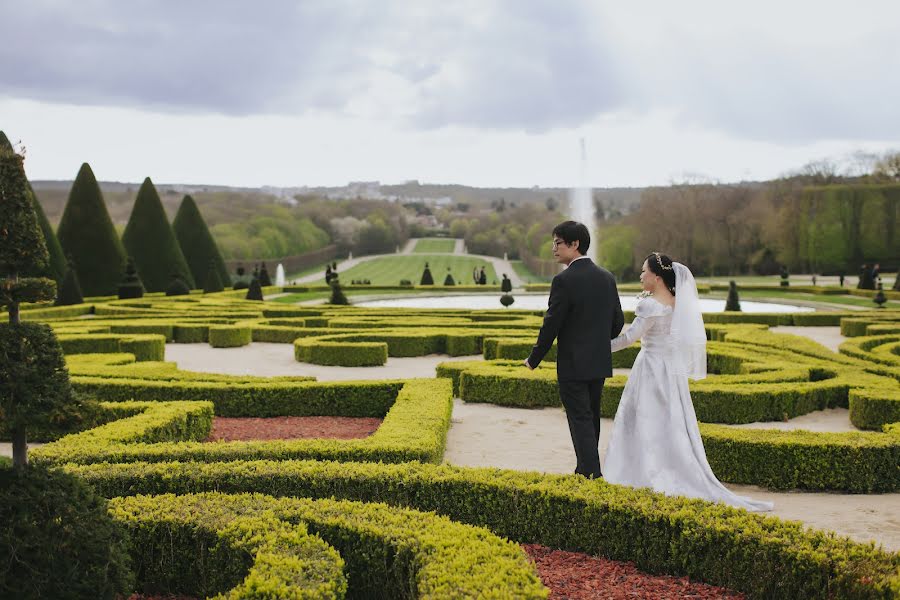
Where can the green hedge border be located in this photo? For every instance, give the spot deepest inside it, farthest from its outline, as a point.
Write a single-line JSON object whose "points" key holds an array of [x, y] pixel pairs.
{"points": [[414, 429], [764, 557]]}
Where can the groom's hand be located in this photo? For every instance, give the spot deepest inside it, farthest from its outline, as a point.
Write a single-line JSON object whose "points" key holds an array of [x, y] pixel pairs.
{"points": [[527, 365]]}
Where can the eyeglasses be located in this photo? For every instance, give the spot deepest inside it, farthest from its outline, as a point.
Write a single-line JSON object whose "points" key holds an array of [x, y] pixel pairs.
{"points": [[559, 243]]}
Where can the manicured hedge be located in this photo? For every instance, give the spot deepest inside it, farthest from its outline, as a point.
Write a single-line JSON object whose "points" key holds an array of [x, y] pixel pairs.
{"points": [[256, 399], [763, 557], [229, 336], [143, 346], [344, 354], [414, 429], [208, 544]]}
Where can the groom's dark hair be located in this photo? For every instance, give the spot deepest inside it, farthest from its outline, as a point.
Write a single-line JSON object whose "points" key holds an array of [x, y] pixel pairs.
{"points": [[569, 231]]}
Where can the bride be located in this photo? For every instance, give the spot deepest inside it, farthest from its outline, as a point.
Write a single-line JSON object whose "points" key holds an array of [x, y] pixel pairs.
{"points": [[655, 440]]}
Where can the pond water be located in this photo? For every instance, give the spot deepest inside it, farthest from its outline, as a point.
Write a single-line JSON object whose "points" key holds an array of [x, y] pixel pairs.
{"points": [[539, 302]]}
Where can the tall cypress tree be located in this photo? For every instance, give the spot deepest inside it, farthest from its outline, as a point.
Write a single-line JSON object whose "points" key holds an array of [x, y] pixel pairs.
{"points": [[197, 242], [86, 233], [150, 241], [56, 266]]}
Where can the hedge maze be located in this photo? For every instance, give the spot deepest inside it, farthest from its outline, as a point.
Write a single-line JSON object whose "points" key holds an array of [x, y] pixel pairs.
{"points": [[382, 517]]}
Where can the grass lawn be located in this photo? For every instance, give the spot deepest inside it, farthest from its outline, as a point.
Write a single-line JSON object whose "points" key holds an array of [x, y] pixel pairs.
{"points": [[320, 268], [841, 300], [389, 270], [527, 276], [303, 296], [431, 245]]}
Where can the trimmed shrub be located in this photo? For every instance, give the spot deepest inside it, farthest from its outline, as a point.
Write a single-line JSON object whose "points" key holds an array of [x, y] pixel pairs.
{"points": [[264, 279], [86, 233], [57, 540], [34, 383], [197, 243], [254, 292], [131, 286], [150, 241], [337, 294], [70, 290], [177, 287], [761, 556], [22, 247], [427, 278], [229, 336], [342, 354], [389, 552], [212, 282], [732, 303], [416, 419], [203, 545]]}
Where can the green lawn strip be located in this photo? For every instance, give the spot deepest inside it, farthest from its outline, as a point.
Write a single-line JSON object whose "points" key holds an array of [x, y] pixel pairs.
{"points": [[817, 298], [428, 245], [390, 270], [526, 275]]}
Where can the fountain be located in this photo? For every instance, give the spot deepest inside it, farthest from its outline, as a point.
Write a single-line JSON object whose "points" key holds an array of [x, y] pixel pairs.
{"points": [[581, 204], [279, 275]]}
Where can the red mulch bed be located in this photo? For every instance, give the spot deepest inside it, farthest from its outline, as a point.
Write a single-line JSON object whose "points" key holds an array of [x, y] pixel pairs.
{"points": [[230, 429], [576, 576]]}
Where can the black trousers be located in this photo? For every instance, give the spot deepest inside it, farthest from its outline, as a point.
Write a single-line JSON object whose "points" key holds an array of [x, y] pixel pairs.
{"points": [[581, 400]]}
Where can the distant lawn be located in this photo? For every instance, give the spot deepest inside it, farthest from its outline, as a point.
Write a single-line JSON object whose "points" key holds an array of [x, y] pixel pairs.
{"points": [[841, 300], [432, 245], [350, 293], [526, 275], [389, 270]]}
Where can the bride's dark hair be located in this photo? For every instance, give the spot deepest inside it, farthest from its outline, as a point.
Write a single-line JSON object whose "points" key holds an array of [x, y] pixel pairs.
{"points": [[660, 264]]}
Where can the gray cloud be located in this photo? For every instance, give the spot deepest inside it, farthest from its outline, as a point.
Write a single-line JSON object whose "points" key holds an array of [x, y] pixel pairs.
{"points": [[492, 64]]}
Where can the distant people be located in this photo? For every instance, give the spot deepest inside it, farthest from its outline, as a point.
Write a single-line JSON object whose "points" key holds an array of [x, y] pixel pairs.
{"points": [[814, 280], [876, 273], [482, 277], [506, 284], [841, 279], [475, 275], [328, 274]]}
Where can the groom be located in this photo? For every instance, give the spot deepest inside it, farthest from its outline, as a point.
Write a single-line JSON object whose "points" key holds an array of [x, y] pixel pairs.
{"points": [[583, 314]]}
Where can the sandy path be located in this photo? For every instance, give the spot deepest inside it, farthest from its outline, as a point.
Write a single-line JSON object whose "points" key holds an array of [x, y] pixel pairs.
{"points": [[269, 360], [483, 435]]}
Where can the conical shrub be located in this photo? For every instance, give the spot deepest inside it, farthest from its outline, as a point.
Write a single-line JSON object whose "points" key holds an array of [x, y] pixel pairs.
{"points": [[70, 289], [86, 233], [150, 241], [213, 283], [732, 303], [131, 286], [177, 286], [197, 243], [427, 278], [254, 292], [264, 279], [55, 268]]}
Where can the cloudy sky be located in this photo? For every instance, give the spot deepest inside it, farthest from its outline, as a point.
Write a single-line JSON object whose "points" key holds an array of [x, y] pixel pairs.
{"points": [[478, 92]]}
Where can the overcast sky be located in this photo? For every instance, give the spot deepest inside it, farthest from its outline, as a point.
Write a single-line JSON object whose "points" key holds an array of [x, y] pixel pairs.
{"points": [[480, 92]]}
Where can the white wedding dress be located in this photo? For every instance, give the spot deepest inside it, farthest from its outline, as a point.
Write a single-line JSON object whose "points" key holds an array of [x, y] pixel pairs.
{"points": [[655, 440]]}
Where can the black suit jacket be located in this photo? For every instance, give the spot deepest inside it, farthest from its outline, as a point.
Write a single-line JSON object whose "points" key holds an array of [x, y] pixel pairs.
{"points": [[584, 314]]}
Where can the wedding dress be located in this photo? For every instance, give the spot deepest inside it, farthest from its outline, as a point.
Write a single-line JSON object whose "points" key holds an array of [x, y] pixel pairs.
{"points": [[655, 439]]}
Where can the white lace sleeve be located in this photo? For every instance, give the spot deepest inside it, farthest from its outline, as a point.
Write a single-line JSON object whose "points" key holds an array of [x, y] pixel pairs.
{"points": [[635, 331]]}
